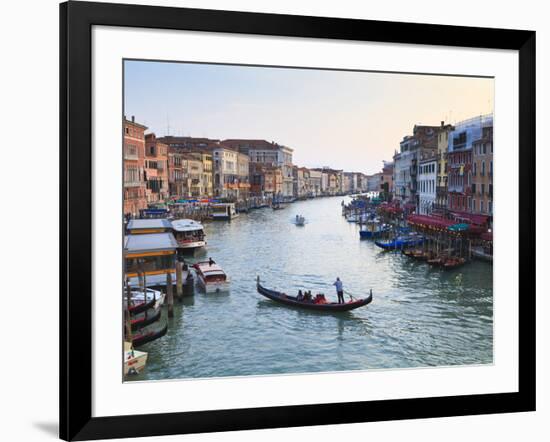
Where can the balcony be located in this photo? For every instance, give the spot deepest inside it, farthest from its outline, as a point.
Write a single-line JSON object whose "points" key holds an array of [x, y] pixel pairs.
{"points": [[130, 156], [132, 184]]}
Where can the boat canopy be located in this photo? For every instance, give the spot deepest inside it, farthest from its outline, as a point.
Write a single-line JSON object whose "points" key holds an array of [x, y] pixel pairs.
{"points": [[186, 225], [150, 242], [152, 223]]}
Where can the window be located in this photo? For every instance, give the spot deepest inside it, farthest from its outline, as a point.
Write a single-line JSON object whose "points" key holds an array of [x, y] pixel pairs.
{"points": [[483, 168], [482, 189], [473, 205], [475, 169], [481, 206], [491, 168], [491, 207]]}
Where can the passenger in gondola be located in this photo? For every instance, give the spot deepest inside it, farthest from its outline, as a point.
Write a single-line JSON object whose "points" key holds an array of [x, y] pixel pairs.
{"points": [[210, 261], [307, 296], [300, 296]]}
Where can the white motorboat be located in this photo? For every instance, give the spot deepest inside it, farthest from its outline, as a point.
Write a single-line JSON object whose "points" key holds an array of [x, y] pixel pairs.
{"points": [[211, 277], [189, 234], [134, 360]]}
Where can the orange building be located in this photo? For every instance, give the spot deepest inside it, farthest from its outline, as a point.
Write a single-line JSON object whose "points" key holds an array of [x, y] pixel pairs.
{"points": [[135, 197], [156, 169]]}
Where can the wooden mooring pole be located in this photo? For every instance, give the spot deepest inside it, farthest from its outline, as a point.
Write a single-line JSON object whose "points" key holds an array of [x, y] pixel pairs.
{"points": [[169, 295], [179, 280]]}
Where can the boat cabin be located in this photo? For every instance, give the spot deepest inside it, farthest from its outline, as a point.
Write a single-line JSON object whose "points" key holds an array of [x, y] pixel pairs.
{"points": [[154, 254], [152, 225], [189, 234]]}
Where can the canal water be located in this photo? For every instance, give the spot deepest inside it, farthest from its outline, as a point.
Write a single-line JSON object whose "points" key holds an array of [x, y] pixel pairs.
{"points": [[420, 316]]}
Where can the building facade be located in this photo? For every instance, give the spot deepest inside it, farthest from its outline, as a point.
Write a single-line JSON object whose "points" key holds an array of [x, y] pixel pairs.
{"points": [[270, 153], [442, 166], [427, 183], [135, 185], [460, 161], [482, 173], [156, 170]]}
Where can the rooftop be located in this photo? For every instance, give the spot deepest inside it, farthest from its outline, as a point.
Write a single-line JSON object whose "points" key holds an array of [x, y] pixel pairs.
{"points": [[155, 223], [150, 242]]}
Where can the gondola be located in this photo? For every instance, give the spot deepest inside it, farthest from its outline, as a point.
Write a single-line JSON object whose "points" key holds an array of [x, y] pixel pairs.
{"points": [[148, 336], [143, 321], [141, 306], [322, 307]]}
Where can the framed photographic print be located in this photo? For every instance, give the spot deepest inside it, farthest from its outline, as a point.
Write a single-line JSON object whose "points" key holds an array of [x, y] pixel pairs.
{"points": [[273, 220]]}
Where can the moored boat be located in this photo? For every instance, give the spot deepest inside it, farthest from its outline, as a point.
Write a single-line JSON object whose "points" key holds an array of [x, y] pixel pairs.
{"points": [[373, 229], [224, 211], [145, 320], [134, 360], [211, 277], [401, 242], [318, 304], [144, 336]]}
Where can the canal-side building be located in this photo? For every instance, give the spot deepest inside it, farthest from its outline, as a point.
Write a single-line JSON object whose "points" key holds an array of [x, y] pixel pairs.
{"points": [[427, 180], [386, 180], [442, 167], [177, 172], [271, 153], [482, 173], [460, 161], [156, 170], [315, 182], [205, 157], [135, 185], [265, 180], [225, 172]]}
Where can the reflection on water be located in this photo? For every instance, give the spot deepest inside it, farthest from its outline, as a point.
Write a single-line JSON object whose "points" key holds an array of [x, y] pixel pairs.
{"points": [[420, 316]]}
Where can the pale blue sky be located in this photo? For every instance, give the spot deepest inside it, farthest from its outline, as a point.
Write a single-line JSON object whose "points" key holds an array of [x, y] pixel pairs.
{"points": [[346, 120]]}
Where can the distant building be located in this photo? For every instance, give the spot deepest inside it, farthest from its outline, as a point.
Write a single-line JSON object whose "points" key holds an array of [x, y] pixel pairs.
{"points": [[482, 173], [422, 143], [225, 172], [270, 153], [427, 181], [315, 182], [442, 167], [156, 170], [135, 196], [460, 161]]}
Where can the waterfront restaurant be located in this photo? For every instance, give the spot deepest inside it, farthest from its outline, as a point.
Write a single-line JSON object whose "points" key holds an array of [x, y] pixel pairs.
{"points": [[153, 254]]}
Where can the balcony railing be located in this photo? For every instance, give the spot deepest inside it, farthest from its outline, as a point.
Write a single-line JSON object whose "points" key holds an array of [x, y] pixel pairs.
{"points": [[132, 183], [130, 156]]}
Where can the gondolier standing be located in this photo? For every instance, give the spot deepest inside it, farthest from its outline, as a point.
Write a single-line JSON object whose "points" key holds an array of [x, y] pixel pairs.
{"points": [[339, 290]]}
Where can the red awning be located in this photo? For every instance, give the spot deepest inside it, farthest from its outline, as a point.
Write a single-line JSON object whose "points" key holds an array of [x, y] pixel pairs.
{"points": [[471, 218], [430, 221]]}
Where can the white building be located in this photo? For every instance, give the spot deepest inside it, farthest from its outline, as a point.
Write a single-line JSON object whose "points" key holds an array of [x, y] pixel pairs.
{"points": [[427, 179], [226, 172], [315, 182], [262, 151]]}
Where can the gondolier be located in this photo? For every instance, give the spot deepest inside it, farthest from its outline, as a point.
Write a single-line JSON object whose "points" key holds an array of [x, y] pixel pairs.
{"points": [[339, 290]]}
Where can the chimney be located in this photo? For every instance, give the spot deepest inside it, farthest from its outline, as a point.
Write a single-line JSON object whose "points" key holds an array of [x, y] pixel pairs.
{"points": [[133, 119]]}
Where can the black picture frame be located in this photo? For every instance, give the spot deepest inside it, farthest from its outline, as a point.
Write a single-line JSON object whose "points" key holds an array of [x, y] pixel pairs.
{"points": [[76, 21]]}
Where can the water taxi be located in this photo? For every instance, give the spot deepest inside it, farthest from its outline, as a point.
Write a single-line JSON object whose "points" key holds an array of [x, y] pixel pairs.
{"points": [[224, 211], [211, 277], [134, 360], [189, 234]]}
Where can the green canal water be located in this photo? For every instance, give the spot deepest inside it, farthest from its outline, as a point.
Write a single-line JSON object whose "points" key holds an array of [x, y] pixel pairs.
{"points": [[420, 316]]}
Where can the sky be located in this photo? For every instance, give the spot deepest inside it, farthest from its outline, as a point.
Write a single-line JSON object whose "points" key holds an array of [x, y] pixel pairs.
{"points": [[344, 120]]}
